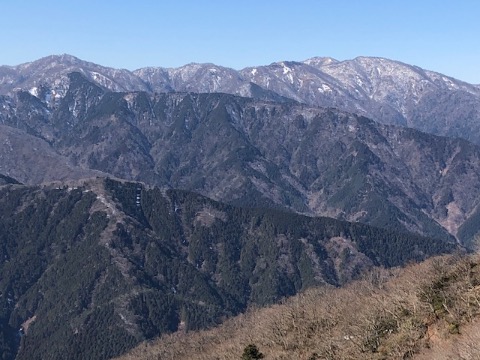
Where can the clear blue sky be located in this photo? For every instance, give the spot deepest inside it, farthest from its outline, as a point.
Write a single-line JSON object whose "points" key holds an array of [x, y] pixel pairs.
{"points": [[439, 35]]}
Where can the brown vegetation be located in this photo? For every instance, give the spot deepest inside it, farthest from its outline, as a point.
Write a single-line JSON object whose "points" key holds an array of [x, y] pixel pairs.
{"points": [[425, 311]]}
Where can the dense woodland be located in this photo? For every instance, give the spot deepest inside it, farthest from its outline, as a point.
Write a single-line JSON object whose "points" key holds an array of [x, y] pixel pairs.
{"points": [[92, 269]]}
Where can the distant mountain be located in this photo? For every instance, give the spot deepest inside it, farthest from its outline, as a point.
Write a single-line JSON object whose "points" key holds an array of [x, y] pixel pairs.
{"points": [[91, 269], [387, 91], [51, 74], [248, 152]]}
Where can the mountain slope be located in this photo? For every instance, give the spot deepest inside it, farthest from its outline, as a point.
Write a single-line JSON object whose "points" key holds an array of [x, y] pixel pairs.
{"points": [[28, 158], [417, 312], [146, 262]]}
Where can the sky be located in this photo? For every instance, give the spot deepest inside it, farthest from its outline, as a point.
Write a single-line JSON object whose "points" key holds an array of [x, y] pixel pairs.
{"points": [[438, 35]]}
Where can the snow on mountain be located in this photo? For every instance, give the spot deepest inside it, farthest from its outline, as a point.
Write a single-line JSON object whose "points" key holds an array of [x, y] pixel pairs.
{"points": [[191, 78], [387, 91], [52, 72]]}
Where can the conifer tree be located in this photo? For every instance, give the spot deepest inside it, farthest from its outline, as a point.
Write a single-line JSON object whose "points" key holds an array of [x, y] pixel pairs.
{"points": [[251, 352]]}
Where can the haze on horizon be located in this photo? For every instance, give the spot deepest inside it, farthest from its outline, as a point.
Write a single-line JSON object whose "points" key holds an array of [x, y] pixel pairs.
{"points": [[442, 37]]}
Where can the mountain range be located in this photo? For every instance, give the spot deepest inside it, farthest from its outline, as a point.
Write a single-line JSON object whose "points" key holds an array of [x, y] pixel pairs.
{"points": [[248, 152], [287, 176], [384, 90]]}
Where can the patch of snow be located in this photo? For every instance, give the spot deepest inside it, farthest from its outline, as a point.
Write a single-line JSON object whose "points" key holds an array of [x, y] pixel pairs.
{"points": [[359, 81], [34, 91], [286, 69], [324, 88], [130, 99], [449, 83], [290, 78]]}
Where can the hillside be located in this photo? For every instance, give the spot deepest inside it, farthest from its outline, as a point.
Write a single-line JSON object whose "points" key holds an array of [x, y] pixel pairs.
{"points": [[424, 311], [90, 269]]}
